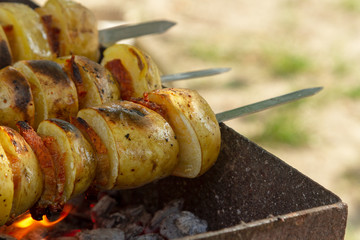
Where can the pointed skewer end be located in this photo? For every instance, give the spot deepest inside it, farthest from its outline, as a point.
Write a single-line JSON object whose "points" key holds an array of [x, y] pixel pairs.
{"points": [[193, 74], [262, 105], [166, 24]]}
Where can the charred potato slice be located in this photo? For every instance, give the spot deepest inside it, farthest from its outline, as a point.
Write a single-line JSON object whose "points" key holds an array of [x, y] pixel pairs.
{"points": [[102, 154], [5, 50], [25, 32], [195, 126], [73, 28], [27, 176], [75, 152], [54, 93], [141, 144], [16, 99], [108, 165], [134, 70], [7, 187], [95, 85]]}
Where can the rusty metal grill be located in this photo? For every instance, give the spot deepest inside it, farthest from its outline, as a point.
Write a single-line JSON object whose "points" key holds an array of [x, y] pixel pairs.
{"points": [[251, 194]]}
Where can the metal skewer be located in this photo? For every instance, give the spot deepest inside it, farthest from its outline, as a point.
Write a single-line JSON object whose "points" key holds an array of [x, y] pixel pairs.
{"points": [[262, 105], [193, 74], [109, 36]]}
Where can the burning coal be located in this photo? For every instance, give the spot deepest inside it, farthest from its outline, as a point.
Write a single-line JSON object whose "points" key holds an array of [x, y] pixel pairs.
{"points": [[106, 218]]}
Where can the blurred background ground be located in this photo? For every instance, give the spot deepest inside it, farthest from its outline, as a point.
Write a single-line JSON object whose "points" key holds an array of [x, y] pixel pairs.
{"points": [[273, 47]]}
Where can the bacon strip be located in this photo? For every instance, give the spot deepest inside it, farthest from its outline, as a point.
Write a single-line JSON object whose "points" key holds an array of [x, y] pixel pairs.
{"points": [[100, 149], [59, 162], [122, 76], [48, 200], [52, 34], [73, 71], [151, 105], [89, 134]]}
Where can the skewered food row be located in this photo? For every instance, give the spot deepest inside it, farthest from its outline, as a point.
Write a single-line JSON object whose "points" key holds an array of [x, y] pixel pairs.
{"points": [[118, 145], [59, 28], [46, 92], [35, 90]]}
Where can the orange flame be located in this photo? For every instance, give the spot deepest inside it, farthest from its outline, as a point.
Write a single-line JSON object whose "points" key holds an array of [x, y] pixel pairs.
{"points": [[26, 224]]}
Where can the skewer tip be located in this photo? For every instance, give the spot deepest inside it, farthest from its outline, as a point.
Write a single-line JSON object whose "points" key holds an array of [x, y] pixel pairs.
{"points": [[165, 25], [265, 104]]}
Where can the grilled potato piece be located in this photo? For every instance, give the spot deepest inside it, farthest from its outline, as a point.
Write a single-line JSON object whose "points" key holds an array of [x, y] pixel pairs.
{"points": [[16, 99], [74, 152], [95, 84], [134, 70], [5, 50], [72, 27], [195, 126], [7, 187], [141, 145], [54, 93], [25, 32], [27, 176]]}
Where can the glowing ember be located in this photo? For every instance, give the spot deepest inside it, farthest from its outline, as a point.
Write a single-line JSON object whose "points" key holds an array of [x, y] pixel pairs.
{"points": [[27, 224]]}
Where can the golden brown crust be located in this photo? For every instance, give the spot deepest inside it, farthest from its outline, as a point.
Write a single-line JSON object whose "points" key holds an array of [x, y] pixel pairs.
{"points": [[62, 103], [16, 99], [54, 93]]}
